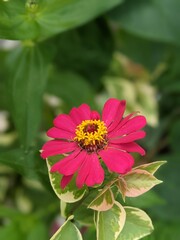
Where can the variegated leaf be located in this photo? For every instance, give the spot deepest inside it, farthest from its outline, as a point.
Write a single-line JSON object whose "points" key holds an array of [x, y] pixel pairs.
{"points": [[110, 223], [138, 182], [137, 225], [67, 231], [70, 193], [104, 201], [151, 167], [122, 187]]}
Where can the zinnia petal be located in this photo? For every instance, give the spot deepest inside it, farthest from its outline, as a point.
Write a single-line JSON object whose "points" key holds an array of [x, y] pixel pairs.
{"points": [[128, 138], [121, 124], [60, 134], [70, 164], [118, 116], [55, 147], [90, 172], [95, 115], [81, 113], [64, 122], [112, 108], [129, 147], [117, 161], [96, 172], [132, 125]]}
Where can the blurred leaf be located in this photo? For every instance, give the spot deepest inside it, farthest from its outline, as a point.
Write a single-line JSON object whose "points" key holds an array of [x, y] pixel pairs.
{"points": [[165, 231], [24, 226], [147, 53], [147, 200], [104, 201], [38, 232], [20, 161], [86, 50], [110, 223], [10, 231], [138, 182], [90, 234], [67, 231], [40, 19], [3, 90], [157, 20], [27, 163], [137, 225], [169, 190], [27, 81], [11, 213], [71, 88], [151, 167], [174, 136], [70, 193]]}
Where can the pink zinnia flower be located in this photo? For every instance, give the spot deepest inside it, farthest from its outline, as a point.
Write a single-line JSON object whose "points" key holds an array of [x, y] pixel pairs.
{"points": [[89, 139]]}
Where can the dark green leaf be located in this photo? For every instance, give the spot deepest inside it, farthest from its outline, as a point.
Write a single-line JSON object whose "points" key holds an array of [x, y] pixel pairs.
{"points": [[27, 81], [154, 19], [86, 50]]}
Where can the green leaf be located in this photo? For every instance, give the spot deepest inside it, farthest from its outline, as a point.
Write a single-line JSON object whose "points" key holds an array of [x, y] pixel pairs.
{"points": [[70, 193], [157, 20], [27, 81], [20, 20], [151, 167], [67, 231], [104, 201], [138, 182], [137, 225], [110, 223]]}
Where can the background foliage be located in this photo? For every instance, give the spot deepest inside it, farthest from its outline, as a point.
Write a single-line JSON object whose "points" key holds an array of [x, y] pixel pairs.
{"points": [[75, 51]]}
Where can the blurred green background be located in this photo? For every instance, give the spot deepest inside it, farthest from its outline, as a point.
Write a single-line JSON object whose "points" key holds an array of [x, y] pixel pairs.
{"points": [[58, 54]]}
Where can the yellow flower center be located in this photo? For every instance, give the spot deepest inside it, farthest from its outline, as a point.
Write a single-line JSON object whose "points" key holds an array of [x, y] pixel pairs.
{"points": [[91, 135]]}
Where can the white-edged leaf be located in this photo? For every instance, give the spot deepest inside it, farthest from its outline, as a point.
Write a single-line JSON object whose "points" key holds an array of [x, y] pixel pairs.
{"points": [[67, 231], [138, 182], [70, 193], [151, 167], [137, 225], [110, 223], [104, 201]]}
